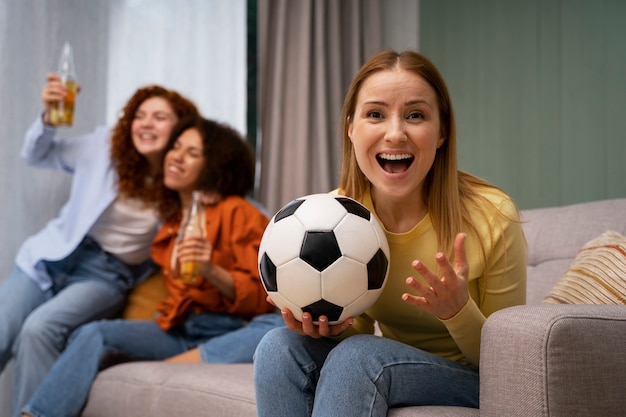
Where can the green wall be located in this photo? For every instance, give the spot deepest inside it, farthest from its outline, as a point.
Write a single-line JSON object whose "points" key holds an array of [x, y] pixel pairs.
{"points": [[539, 91]]}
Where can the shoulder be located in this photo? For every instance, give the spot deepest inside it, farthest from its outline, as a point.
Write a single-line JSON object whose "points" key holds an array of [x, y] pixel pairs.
{"points": [[490, 209], [499, 199]]}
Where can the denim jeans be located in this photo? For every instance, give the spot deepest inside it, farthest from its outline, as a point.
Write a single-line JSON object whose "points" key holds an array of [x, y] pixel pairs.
{"points": [[65, 389], [363, 375], [238, 346], [87, 285]]}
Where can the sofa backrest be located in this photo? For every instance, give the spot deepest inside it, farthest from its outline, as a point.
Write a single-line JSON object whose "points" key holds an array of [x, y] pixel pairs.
{"points": [[555, 235]]}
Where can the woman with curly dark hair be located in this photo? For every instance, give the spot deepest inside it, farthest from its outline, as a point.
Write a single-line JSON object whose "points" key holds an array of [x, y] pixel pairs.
{"points": [[80, 266], [212, 158]]}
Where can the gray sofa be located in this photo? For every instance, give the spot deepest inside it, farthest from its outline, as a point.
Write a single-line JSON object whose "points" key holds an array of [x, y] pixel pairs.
{"points": [[536, 360]]}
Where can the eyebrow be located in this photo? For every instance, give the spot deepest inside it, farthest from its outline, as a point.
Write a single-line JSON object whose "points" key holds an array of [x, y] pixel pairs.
{"points": [[418, 101], [408, 103]]}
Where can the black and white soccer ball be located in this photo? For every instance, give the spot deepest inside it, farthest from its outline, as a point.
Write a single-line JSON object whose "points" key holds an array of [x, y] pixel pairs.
{"points": [[324, 254]]}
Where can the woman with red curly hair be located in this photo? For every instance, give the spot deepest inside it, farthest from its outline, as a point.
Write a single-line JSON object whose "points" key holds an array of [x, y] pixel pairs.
{"points": [[79, 267]]}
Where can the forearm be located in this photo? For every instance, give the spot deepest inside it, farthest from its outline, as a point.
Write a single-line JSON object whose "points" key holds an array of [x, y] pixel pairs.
{"points": [[220, 278]]}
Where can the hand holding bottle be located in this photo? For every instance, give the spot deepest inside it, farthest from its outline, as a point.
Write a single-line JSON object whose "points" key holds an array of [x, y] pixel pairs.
{"points": [[193, 250], [193, 253], [52, 93], [59, 94]]}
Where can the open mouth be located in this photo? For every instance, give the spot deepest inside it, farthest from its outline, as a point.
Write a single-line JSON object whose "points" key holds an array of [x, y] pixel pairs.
{"points": [[147, 137], [395, 163], [174, 169]]}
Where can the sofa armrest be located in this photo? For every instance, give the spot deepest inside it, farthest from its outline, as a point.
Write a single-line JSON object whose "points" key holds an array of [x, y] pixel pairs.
{"points": [[554, 360]]}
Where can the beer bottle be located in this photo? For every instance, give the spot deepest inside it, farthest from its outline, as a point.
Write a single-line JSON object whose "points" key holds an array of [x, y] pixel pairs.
{"points": [[189, 272], [62, 113]]}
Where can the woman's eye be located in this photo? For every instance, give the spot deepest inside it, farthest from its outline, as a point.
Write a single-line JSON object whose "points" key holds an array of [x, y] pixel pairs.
{"points": [[375, 114], [416, 115]]}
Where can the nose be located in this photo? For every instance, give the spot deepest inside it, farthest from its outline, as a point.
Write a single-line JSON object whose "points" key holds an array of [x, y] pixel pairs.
{"points": [[174, 154], [396, 130], [146, 121]]}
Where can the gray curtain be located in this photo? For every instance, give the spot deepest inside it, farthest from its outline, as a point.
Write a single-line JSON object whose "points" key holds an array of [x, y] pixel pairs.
{"points": [[308, 53], [31, 36]]}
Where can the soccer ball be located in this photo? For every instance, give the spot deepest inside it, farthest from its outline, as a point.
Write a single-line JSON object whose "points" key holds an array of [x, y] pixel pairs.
{"points": [[324, 254]]}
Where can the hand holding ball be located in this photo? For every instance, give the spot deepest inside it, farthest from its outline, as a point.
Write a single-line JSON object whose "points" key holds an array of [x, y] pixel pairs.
{"points": [[324, 254]]}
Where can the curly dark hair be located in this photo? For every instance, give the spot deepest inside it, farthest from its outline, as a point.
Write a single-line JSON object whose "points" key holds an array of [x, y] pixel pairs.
{"points": [[132, 167], [229, 163]]}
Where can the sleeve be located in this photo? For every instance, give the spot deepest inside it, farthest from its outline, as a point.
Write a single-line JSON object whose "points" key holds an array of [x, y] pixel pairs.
{"points": [[41, 148], [244, 231], [502, 282]]}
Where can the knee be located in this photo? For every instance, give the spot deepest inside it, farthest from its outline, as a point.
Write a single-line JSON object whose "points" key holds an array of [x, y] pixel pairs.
{"points": [[356, 349], [275, 343], [275, 349], [37, 330], [89, 330]]}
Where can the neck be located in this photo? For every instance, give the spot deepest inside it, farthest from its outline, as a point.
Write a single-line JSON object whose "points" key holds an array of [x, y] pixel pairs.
{"points": [[399, 215], [155, 163]]}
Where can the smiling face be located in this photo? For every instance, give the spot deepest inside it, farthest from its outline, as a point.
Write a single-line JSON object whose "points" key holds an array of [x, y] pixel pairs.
{"points": [[183, 163], [151, 128], [395, 133]]}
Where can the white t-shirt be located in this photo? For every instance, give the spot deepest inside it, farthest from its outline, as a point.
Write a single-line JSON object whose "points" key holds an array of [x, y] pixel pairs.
{"points": [[126, 229]]}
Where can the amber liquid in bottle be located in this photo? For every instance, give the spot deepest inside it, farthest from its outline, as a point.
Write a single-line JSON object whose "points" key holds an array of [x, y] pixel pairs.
{"points": [[62, 113], [190, 272]]}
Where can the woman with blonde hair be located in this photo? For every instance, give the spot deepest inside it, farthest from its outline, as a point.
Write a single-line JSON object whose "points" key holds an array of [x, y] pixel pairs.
{"points": [[457, 255]]}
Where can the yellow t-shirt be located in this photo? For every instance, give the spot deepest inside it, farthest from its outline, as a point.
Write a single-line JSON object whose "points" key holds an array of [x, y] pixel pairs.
{"points": [[457, 338]]}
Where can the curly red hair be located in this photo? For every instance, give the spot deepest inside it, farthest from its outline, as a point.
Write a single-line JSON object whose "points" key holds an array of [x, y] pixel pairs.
{"points": [[132, 168]]}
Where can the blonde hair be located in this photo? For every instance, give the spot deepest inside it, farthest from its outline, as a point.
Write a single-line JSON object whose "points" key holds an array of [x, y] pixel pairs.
{"points": [[450, 194]]}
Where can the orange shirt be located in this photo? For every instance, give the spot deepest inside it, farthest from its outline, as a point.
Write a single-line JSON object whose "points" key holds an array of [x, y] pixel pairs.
{"points": [[234, 226]]}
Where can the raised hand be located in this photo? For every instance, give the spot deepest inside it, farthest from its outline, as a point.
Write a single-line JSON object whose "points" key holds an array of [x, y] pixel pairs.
{"points": [[446, 295]]}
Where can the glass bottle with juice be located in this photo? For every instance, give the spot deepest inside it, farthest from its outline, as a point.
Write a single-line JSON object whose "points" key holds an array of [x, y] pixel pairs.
{"points": [[62, 113], [190, 272]]}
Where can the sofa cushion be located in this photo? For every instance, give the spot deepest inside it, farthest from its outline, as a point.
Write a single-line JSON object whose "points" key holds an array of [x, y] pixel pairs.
{"points": [[597, 275], [433, 411], [160, 389], [556, 234], [144, 297]]}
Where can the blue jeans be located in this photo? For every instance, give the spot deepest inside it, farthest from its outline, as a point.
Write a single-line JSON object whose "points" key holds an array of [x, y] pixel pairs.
{"points": [[363, 375], [89, 284], [65, 389], [239, 346]]}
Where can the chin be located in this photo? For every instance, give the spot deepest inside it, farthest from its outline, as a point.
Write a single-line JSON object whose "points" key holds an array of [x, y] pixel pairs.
{"points": [[170, 184]]}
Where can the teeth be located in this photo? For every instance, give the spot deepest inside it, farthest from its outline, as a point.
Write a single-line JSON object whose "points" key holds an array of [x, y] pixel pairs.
{"points": [[395, 157], [147, 136]]}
